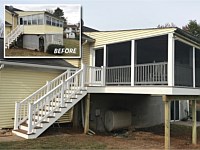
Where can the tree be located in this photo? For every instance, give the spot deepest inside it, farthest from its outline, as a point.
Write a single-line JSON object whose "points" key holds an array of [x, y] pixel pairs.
{"points": [[167, 25], [50, 11], [58, 12], [193, 27]]}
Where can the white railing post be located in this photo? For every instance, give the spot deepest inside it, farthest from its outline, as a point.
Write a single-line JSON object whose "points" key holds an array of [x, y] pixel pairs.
{"points": [[83, 76], [30, 118], [62, 94], [103, 75], [16, 116], [48, 88]]}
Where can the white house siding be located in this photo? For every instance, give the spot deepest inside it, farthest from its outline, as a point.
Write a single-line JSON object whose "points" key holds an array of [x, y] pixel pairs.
{"points": [[16, 83], [31, 42], [53, 39], [146, 110]]}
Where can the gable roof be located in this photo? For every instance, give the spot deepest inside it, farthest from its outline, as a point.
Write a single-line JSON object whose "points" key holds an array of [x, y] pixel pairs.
{"points": [[40, 61], [12, 9], [88, 29], [109, 37]]}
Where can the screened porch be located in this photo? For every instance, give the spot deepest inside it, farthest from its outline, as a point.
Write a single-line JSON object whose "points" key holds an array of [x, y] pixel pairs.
{"points": [[145, 62]]}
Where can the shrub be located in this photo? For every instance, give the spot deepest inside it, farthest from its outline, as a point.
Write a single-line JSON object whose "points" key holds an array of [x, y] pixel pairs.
{"points": [[51, 48]]}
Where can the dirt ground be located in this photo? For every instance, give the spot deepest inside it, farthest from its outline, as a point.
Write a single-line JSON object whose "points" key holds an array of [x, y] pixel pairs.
{"points": [[148, 138]]}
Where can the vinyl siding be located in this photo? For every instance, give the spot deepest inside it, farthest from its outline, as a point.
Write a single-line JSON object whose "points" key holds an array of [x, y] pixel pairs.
{"points": [[7, 30], [85, 57], [86, 54], [102, 38], [42, 29], [9, 19], [16, 83]]}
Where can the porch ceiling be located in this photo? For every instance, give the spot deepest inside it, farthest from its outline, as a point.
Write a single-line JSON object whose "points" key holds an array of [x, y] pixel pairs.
{"points": [[108, 37]]}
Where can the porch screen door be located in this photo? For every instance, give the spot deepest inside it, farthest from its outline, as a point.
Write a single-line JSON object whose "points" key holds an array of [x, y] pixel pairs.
{"points": [[96, 72]]}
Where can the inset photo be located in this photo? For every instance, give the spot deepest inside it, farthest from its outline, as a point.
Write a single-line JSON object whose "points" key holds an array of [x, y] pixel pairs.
{"points": [[42, 31]]}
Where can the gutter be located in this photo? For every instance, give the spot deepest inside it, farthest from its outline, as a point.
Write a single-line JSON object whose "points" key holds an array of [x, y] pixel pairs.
{"points": [[33, 65]]}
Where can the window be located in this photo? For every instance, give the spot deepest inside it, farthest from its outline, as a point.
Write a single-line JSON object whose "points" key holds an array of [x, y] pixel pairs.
{"points": [[61, 23], [25, 20], [57, 23], [48, 20], [21, 21], [40, 19], [34, 19], [29, 20], [53, 22]]}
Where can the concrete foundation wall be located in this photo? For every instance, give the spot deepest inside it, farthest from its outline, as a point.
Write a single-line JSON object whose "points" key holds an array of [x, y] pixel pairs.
{"points": [[146, 110], [31, 42]]}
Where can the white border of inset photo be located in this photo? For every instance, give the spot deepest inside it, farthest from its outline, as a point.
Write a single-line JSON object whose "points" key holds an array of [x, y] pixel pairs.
{"points": [[42, 35]]}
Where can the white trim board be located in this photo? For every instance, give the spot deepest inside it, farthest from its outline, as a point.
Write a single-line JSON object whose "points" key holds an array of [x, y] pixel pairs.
{"points": [[156, 90]]}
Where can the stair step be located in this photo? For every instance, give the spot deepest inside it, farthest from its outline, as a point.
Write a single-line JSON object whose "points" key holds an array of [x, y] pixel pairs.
{"points": [[23, 131], [57, 112], [26, 125], [44, 122]]}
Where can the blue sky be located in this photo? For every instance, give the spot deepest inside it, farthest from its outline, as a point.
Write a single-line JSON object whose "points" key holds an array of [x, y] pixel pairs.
{"points": [[127, 14]]}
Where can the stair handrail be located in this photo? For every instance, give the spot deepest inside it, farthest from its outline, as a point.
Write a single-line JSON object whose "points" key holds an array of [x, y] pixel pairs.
{"points": [[14, 33], [21, 108], [69, 87]]}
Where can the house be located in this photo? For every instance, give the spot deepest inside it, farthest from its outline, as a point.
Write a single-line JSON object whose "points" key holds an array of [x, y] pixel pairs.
{"points": [[71, 31], [145, 75], [33, 30], [21, 77]]}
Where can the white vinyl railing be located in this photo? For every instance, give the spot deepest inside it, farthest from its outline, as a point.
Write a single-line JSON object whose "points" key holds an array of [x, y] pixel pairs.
{"points": [[118, 75], [21, 108], [94, 76], [14, 34], [151, 73], [54, 99]]}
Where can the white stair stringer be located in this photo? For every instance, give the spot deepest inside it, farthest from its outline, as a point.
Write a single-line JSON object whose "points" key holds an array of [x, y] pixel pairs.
{"points": [[38, 131], [41, 109]]}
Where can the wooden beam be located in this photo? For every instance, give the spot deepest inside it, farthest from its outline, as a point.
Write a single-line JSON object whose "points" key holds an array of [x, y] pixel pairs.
{"points": [[167, 122], [194, 122], [87, 112], [182, 97]]}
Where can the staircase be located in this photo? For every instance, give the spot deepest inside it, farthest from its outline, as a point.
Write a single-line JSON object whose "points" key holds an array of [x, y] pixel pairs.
{"points": [[13, 35], [41, 109]]}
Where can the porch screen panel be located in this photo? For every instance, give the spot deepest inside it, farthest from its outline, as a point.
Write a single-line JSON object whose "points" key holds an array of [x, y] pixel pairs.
{"points": [[183, 64], [119, 54], [197, 67], [151, 50], [99, 57]]}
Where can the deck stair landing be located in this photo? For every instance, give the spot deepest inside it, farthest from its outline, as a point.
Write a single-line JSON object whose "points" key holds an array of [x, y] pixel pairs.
{"points": [[40, 110]]}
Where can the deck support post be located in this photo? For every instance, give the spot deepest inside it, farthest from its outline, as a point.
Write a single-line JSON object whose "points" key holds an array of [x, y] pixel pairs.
{"points": [[87, 112], [194, 122], [167, 122]]}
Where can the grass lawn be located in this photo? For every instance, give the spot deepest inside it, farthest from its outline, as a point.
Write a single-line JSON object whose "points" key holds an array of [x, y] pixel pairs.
{"points": [[68, 43], [147, 138], [55, 142], [72, 43], [25, 52]]}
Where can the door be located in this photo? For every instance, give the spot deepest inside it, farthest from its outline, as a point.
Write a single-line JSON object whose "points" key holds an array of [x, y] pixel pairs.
{"points": [[96, 74], [175, 110], [41, 44]]}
